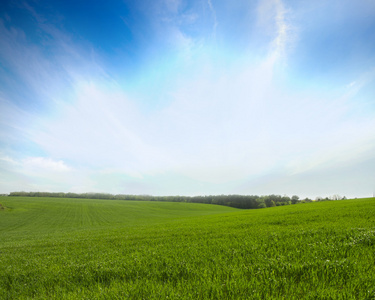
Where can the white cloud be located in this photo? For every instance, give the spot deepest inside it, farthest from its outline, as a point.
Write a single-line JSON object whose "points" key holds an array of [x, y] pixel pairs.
{"points": [[274, 21], [45, 164], [218, 128], [33, 165], [102, 129], [36, 174], [8, 160]]}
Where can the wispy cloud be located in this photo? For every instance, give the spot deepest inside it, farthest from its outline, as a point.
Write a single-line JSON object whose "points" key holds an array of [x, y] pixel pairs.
{"points": [[35, 174], [35, 165], [48, 71], [46, 164], [354, 87], [274, 19], [212, 9], [283, 28], [201, 134]]}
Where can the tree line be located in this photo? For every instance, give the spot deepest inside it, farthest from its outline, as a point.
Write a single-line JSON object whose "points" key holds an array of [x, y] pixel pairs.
{"points": [[237, 201]]}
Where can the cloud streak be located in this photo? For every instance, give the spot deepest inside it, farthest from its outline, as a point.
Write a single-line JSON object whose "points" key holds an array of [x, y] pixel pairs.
{"points": [[209, 2]]}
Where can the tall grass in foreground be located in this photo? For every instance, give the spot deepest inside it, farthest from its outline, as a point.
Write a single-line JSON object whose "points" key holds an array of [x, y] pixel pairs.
{"points": [[69, 249]]}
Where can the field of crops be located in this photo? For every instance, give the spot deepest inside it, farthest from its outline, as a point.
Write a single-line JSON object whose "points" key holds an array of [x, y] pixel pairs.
{"points": [[105, 249]]}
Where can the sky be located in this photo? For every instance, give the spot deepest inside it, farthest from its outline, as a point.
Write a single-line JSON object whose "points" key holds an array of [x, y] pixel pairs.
{"points": [[200, 97]]}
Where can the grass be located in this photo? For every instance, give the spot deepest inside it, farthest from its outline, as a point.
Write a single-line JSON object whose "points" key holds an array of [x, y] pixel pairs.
{"points": [[104, 249]]}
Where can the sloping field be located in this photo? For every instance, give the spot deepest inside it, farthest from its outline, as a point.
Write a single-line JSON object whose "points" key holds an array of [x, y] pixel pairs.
{"points": [[104, 249], [31, 218]]}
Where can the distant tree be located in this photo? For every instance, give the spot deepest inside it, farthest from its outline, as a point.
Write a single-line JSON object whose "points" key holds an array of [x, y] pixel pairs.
{"points": [[262, 205], [268, 200], [295, 199], [286, 200], [306, 200], [238, 201]]}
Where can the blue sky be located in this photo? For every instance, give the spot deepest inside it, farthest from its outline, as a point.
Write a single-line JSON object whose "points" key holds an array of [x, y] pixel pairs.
{"points": [[172, 97]]}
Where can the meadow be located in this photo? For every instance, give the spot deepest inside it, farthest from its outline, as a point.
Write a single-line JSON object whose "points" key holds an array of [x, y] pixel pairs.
{"points": [[53, 248]]}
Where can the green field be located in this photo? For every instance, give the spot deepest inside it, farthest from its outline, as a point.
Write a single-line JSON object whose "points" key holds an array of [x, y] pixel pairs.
{"points": [[54, 248]]}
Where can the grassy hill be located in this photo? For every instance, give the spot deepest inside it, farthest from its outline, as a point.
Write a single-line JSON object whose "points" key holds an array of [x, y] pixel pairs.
{"points": [[101, 249], [33, 217]]}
